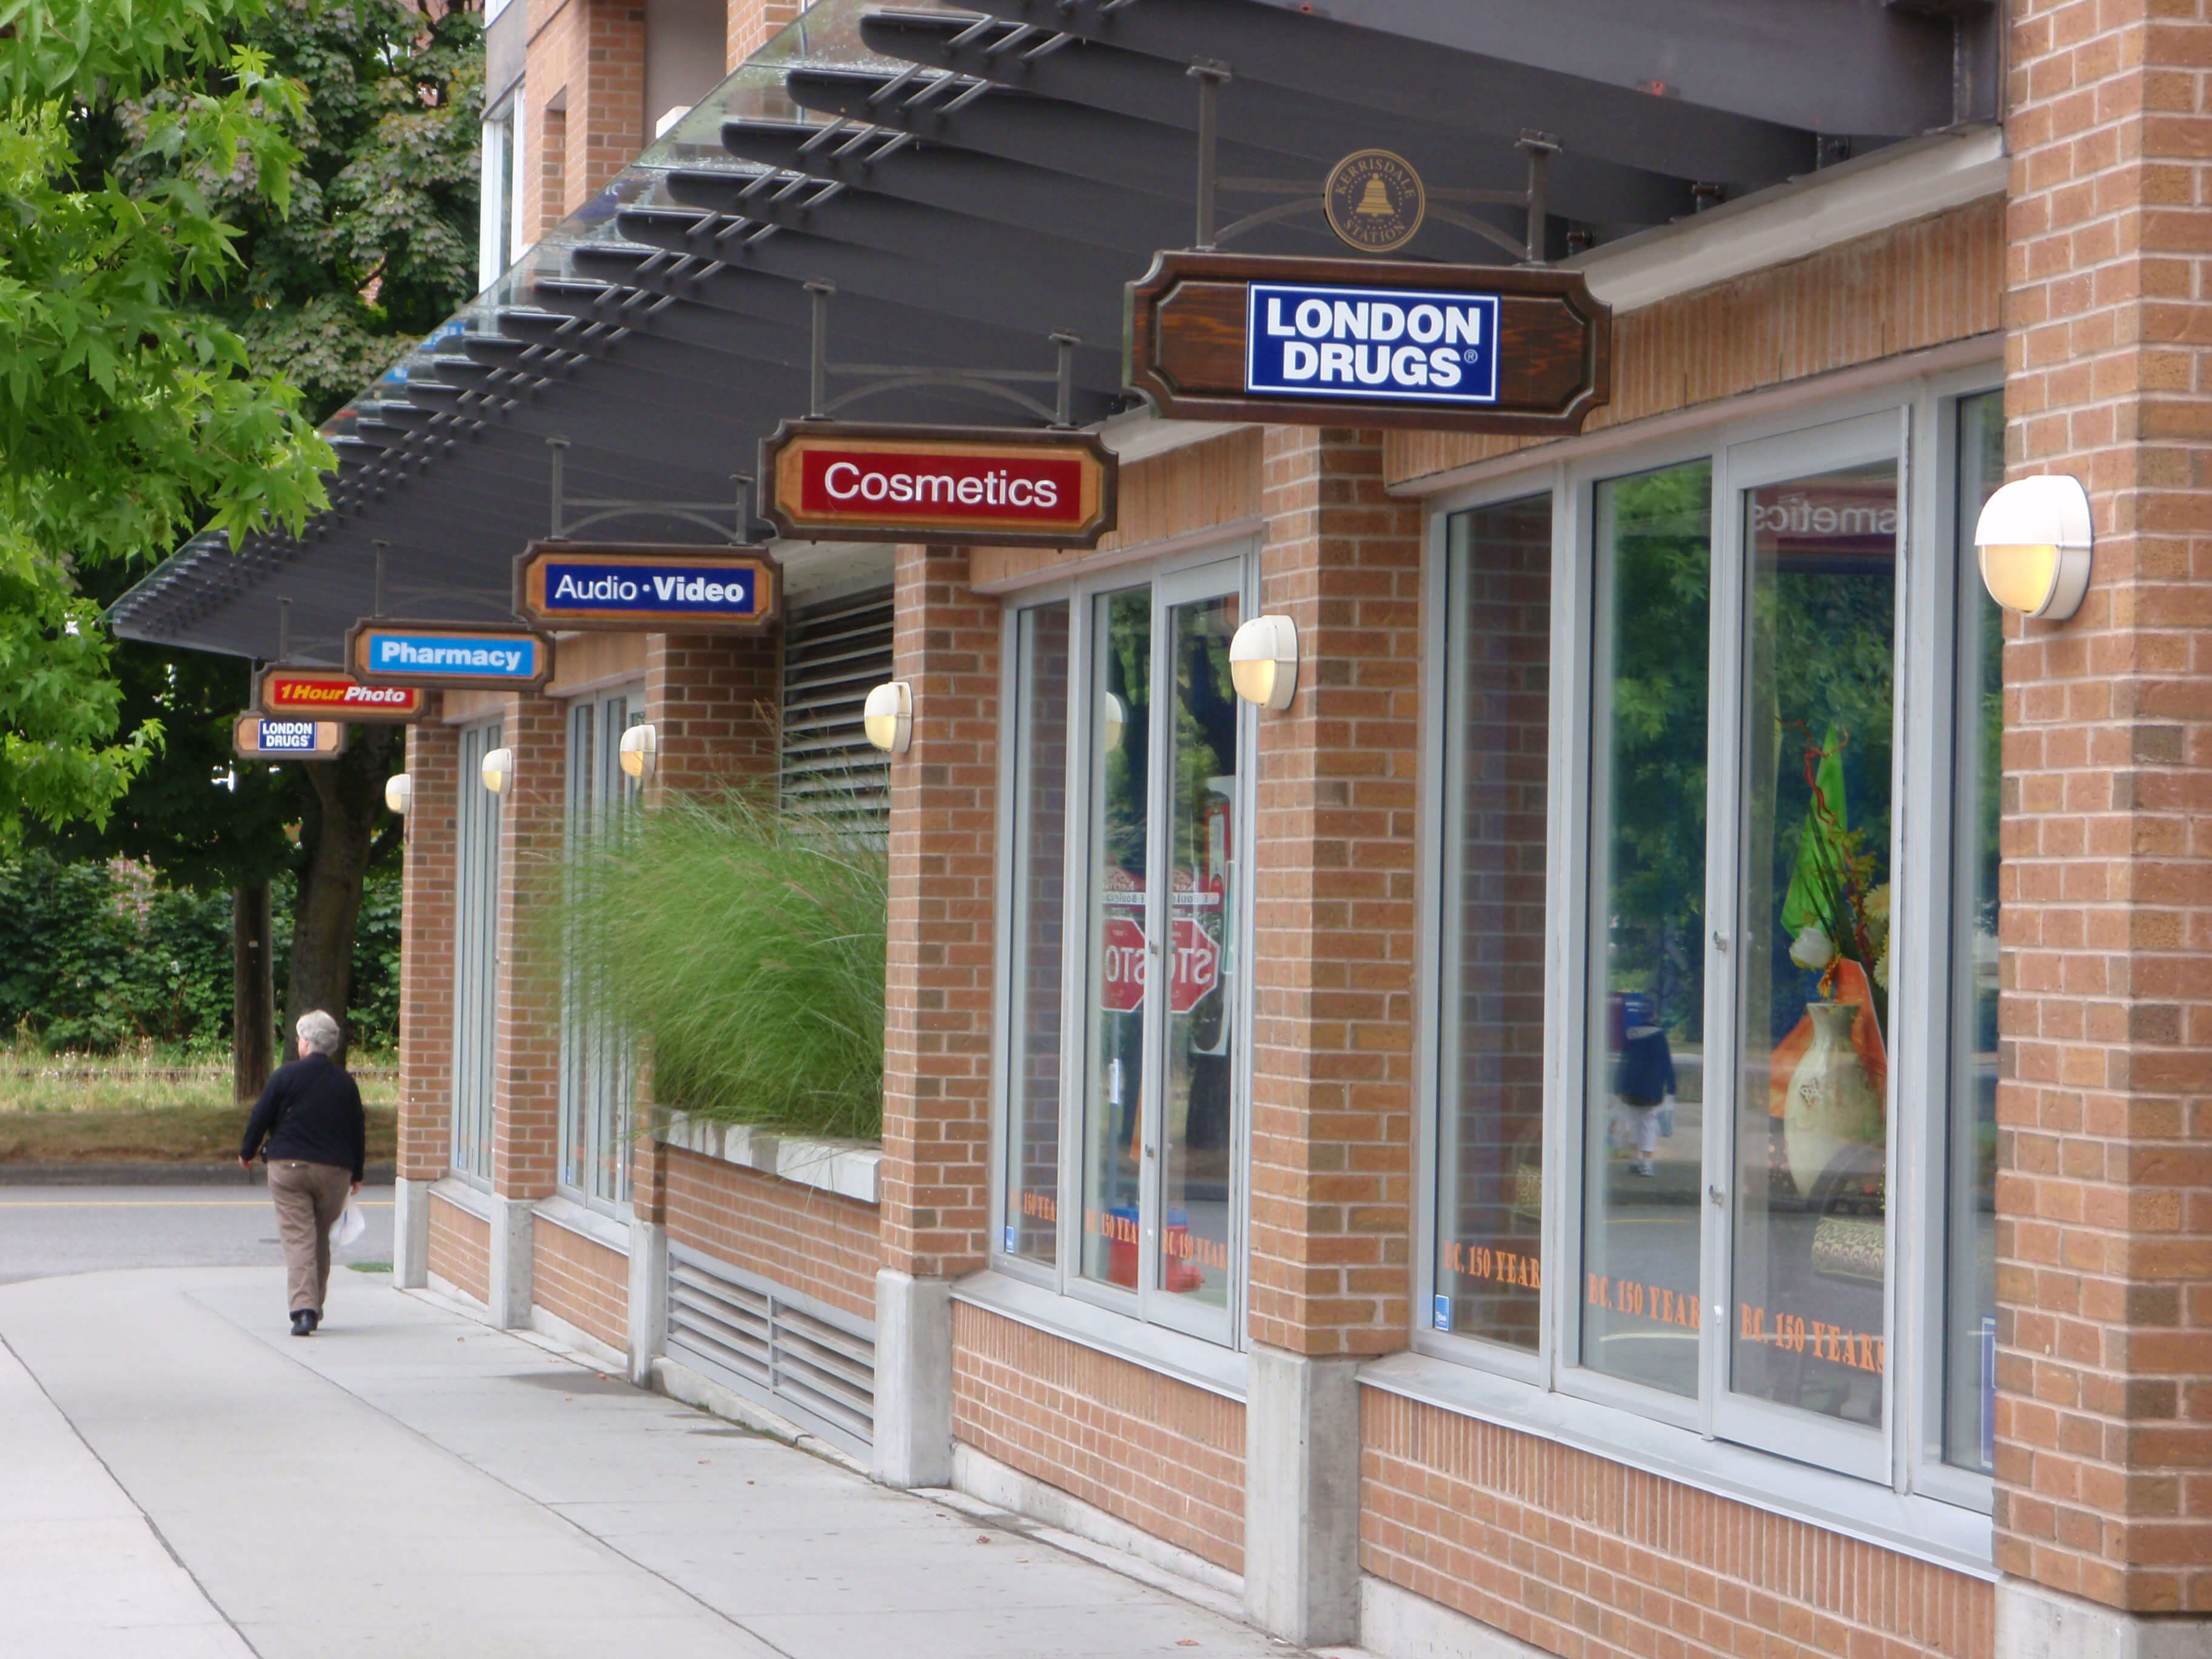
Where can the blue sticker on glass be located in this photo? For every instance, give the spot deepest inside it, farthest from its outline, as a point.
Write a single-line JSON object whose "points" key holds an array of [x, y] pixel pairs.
{"points": [[1444, 1313], [1009, 1244], [1397, 344]]}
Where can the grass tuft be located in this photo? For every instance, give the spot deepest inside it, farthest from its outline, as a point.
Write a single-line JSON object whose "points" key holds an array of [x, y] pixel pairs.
{"points": [[745, 949]]}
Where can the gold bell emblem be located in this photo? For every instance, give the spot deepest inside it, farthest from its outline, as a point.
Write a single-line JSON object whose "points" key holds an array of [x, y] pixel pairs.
{"points": [[1375, 200]]}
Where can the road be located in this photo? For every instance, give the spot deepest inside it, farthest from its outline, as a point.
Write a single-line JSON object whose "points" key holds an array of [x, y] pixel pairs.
{"points": [[47, 1232]]}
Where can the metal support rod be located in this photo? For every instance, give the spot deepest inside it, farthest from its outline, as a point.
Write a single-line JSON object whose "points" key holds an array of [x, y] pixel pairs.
{"points": [[1210, 73], [559, 446], [1538, 148], [1063, 403], [743, 521], [817, 396]]}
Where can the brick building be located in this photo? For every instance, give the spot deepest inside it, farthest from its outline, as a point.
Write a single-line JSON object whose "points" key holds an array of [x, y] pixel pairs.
{"points": [[1457, 1269]]}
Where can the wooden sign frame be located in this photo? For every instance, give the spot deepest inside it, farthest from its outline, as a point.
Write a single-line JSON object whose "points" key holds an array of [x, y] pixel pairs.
{"points": [[330, 739], [434, 679], [351, 715], [530, 587], [784, 452], [1186, 347]]}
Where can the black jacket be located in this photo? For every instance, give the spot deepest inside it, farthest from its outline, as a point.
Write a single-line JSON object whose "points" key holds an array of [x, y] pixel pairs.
{"points": [[311, 1111]]}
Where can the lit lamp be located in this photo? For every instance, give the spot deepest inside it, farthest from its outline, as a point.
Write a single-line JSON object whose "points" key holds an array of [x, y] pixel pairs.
{"points": [[641, 749], [1263, 661], [888, 718], [398, 792], [1116, 719], [2035, 538], [498, 770]]}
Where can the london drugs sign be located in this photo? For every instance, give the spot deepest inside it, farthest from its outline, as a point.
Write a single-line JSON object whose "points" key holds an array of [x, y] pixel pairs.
{"points": [[1320, 342]]}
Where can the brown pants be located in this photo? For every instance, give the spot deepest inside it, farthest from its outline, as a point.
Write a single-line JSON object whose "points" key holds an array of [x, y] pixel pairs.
{"points": [[309, 1198]]}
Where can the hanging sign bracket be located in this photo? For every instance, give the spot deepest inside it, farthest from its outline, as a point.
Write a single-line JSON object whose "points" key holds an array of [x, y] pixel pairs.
{"points": [[878, 378]]}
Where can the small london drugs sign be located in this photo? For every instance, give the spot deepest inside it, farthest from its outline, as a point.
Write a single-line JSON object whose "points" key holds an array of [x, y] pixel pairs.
{"points": [[1315, 342], [633, 588], [1007, 487], [449, 654], [257, 737], [329, 693]]}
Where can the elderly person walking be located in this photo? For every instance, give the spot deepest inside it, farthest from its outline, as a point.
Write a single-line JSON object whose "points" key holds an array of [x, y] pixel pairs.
{"points": [[310, 1115]]}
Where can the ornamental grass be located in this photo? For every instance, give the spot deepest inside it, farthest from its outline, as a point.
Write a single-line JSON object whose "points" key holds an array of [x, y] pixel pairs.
{"points": [[743, 948]]}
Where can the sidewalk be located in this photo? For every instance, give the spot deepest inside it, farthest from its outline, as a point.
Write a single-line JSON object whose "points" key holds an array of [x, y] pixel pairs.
{"points": [[407, 1482]]}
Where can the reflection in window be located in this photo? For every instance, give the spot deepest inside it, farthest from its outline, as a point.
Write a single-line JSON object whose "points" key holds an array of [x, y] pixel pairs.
{"points": [[1970, 1322], [1032, 1140], [1497, 737], [475, 921], [1645, 1126], [598, 1061], [1811, 1327], [1120, 859]]}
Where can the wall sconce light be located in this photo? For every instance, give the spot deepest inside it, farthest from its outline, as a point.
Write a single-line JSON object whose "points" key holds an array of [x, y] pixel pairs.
{"points": [[2035, 540], [888, 718], [1263, 661], [398, 792], [498, 770], [1115, 716], [640, 750]]}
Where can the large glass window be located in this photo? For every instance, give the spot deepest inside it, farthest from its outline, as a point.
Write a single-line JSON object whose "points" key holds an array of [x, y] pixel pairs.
{"points": [[1641, 1290], [1128, 784], [1758, 1203], [475, 960], [597, 1068], [1490, 1154]]}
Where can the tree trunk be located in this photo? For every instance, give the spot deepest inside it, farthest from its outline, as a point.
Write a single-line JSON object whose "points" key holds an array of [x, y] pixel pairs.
{"points": [[339, 839], [252, 992]]}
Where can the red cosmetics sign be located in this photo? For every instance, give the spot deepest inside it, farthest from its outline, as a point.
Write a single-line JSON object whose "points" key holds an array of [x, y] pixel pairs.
{"points": [[329, 694], [834, 481]]}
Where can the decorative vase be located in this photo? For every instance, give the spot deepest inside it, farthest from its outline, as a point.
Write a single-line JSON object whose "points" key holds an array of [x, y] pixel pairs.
{"points": [[1831, 1103]]}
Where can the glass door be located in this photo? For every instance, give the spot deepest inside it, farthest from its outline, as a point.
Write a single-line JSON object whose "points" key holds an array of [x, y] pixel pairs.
{"points": [[1800, 1183], [1162, 1189]]}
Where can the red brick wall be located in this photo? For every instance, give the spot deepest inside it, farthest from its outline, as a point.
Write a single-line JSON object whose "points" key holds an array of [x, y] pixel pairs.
{"points": [[461, 1248], [426, 956], [575, 1278], [527, 1046], [2104, 1104], [937, 1051], [1161, 1455], [1333, 920], [1581, 1555], [753, 24], [1907, 288], [588, 57], [713, 703], [813, 1242]]}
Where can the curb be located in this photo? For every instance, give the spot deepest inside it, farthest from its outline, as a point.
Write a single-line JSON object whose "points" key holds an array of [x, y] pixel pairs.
{"points": [[155, 1175]]}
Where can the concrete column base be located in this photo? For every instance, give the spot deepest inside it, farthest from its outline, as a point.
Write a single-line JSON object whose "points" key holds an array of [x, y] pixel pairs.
{"points": [[1302, 1497], [2035, 1623], [411, 1233], [513, 1223], [648, 1298], [914, 1380]]}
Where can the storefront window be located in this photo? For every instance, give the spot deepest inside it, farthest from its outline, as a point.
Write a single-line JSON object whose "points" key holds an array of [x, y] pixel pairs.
{"points": [[1031, 1196], [597, 1064], [1645, 1124], [1970, 1320], [476, 920], [1811, 1128], [1490, 1173]]}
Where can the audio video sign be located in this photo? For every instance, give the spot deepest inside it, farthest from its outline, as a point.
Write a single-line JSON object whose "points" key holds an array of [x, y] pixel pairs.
{"points": [[1218, 337], [647, 589]]}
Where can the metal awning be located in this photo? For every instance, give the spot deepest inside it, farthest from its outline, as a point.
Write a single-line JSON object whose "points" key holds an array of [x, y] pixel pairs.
{"points": [[971, 182]]}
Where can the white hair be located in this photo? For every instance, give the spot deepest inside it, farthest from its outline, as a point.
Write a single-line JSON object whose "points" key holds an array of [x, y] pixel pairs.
{"points": [[318, 1031]]}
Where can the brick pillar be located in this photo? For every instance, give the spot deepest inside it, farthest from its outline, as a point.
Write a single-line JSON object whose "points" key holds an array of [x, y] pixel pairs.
{"points": [[1333, 944], [2104, 1421], [583, 101], [754, 23], [426, 993], [937, 1043], [527, 1037]]}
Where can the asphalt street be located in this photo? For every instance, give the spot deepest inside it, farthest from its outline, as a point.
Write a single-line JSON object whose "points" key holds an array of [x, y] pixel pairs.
{"points": [[48, 1232]]}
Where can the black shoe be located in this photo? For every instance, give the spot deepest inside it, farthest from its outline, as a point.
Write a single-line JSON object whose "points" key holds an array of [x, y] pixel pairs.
{"points": [[314, 1320], [303, 1322]]}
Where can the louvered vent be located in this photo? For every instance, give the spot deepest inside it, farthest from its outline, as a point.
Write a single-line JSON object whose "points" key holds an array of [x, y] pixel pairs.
{"points": [[799, 1358], [833, 652]]}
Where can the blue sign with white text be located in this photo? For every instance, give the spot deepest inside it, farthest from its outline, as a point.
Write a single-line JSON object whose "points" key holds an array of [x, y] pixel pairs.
{"points": [[493, 657], [287, 737], [1417, 345], [596, 587]]}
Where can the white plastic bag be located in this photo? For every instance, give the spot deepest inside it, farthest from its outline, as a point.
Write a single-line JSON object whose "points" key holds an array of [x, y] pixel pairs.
{"points": [[350, 1225]]}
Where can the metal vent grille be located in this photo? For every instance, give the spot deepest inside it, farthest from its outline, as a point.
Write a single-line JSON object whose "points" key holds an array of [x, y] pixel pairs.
{"points": [[833, 652], [798, 1357]]}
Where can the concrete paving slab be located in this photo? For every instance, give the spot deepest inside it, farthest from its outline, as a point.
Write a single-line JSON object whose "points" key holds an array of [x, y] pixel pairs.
{"points": [[412, 1481]]}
